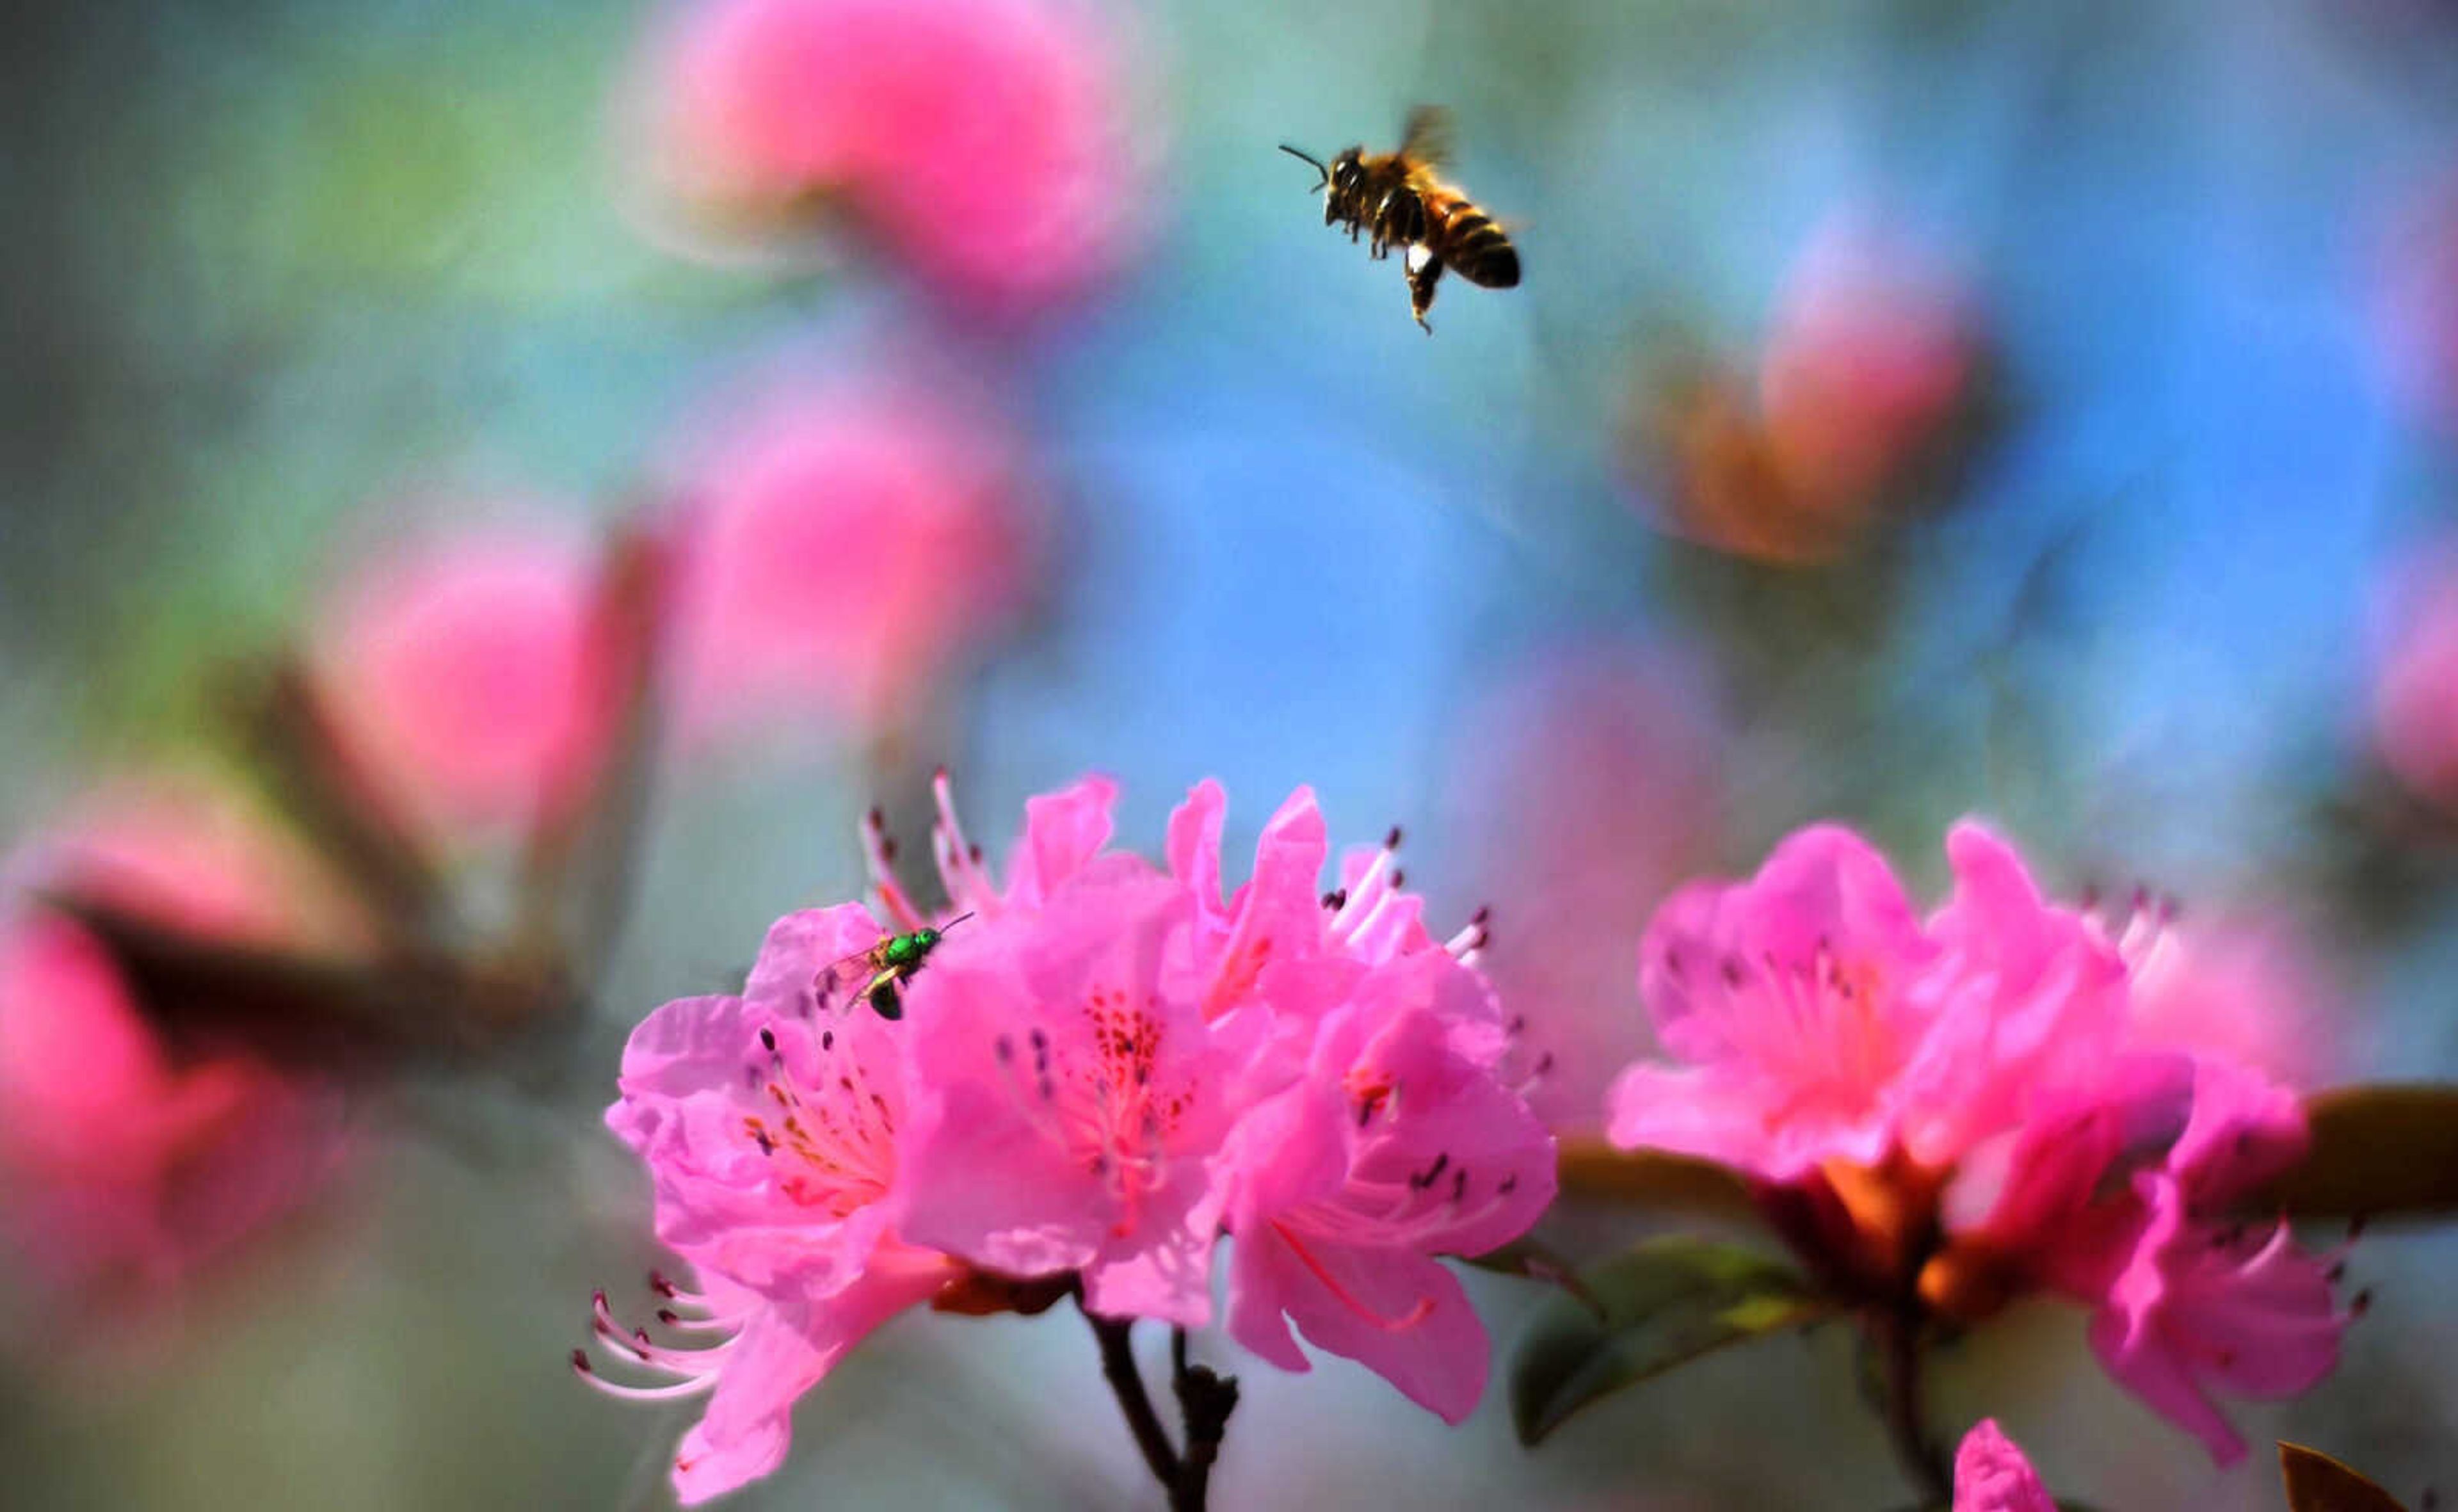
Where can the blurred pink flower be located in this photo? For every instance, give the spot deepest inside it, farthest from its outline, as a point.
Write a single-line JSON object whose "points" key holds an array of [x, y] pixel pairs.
{"points": [[1980, 1079], [1990, 1474], [1870, 370], [129, 1164], [1872, 352], [2199, 1306], [2417, 309], [467, 675], [2415, 675], [985, 141], [840, 550], [179, 851], [770, 1134], [2249, 991], [1591, 786]]}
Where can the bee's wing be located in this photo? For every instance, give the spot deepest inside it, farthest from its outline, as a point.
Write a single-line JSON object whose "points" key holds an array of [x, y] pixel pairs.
{"points": [[834, 979], [1426, 136]]}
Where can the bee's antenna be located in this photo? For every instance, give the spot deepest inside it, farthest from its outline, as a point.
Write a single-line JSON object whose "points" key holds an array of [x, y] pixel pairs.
{"points": [[958, 919], [1323, 173]]}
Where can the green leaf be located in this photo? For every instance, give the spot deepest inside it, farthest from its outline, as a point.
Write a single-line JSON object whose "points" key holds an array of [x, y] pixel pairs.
{"points": [[2383, 1151], [2315, 1483], [1533, 1260], [1664, 1303], [1649, 1180]]}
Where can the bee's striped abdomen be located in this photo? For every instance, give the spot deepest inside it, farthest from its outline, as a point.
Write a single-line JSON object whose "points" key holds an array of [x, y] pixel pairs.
{"points": [[1466, 238]]}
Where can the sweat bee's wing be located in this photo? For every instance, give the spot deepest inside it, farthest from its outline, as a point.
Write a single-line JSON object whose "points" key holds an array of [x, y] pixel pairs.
{"points": [[1427, 137], [845, 975]]}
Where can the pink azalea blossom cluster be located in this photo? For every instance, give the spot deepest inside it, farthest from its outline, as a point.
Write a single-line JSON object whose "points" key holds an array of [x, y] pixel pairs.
{"points": [[126, 1161], [1105, 1068], [986, 142], [1968, 1103]]}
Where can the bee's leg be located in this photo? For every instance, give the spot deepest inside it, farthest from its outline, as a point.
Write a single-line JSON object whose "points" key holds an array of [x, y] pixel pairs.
{"points": [[1421, 278]]}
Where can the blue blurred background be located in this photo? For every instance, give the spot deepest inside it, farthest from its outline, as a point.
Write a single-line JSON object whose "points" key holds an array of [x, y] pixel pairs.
{"points": [[276, 267]]}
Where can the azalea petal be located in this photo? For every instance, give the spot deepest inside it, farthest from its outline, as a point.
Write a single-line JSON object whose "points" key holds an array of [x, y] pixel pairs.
{"points": [[2245, 1128], [1402, 1316], [1193, 848], [2194, 1307], [781, 1352], [1062, 831]]}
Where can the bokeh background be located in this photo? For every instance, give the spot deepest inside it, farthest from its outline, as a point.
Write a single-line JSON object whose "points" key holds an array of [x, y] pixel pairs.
{"points": [[2038, 410]]}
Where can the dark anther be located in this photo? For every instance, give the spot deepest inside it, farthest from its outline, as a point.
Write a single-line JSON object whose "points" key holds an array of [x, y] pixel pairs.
{"points": [[580, 1361], [1391, 841], [768, 1041]]}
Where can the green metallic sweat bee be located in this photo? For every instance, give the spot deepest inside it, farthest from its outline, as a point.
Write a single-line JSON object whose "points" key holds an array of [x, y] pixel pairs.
{"points": [[887, 966]]}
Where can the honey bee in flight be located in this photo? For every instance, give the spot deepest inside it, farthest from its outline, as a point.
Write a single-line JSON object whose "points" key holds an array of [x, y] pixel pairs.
{"points": [[1397, 201]]}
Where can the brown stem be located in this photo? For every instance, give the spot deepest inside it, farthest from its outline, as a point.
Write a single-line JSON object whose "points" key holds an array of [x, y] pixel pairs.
{"points": [[1127, 1383], [1922, 1463], [1205, 1399]]}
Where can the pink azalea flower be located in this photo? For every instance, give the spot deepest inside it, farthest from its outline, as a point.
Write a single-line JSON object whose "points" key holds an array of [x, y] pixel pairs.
{"points": [[1990, 1474], [1824, 1022], [1981, 1078], [1072, 1101], [1400, 1138], [1790, 996], [2415, 676], [770, 1129], [984, 141], [128, 1164], [1400, 1143], [466, 675], [2197, 1306], [840, 550]]}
